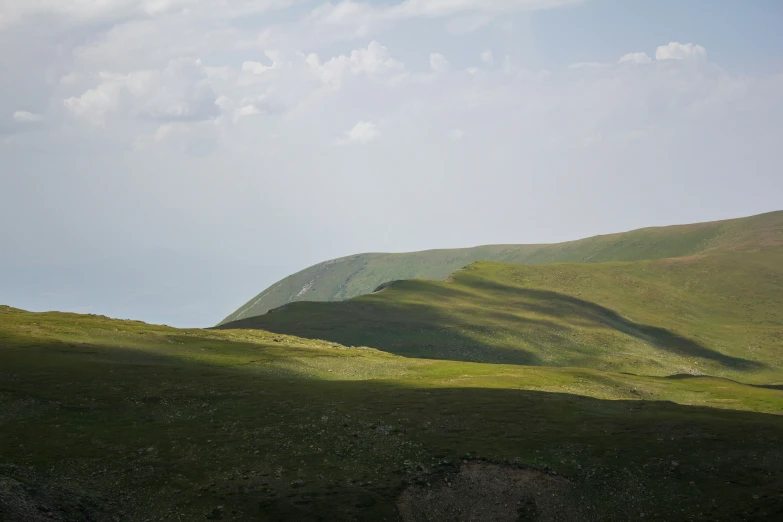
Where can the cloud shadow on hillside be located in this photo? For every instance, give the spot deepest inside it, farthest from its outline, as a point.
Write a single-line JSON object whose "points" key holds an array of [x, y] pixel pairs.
{"points": [[568, 307], [95, 402], [414, 329]]}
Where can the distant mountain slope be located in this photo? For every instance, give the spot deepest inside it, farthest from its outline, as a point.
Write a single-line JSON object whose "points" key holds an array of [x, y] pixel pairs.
{"points": [[719, 314], [356, 275]]}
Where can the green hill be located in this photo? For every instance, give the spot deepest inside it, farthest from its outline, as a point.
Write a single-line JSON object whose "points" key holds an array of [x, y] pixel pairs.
{"points": [[719, 314], [103, 419], [360, 274]]}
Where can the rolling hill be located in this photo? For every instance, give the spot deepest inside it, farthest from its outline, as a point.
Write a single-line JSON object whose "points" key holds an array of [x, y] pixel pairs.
{"points": [[719, 314], [356, 275], [102, 419]]}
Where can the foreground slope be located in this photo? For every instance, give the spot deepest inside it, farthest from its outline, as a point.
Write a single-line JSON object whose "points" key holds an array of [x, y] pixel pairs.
{"points": [[720, 315], [118, 420], [357, 275]]}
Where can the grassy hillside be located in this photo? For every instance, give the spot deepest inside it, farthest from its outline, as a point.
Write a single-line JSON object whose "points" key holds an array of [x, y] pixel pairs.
{"points": [[719, 314], [119, 420], [357, 275]]}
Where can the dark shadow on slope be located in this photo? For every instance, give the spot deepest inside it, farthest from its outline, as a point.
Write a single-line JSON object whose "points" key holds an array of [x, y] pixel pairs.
{"points": [[564, 306], [387, 322], [305, 449], [407, 329]]}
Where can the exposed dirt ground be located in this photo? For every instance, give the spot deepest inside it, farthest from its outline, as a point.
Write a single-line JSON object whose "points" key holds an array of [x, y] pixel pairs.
{"points": [[483, 491]]}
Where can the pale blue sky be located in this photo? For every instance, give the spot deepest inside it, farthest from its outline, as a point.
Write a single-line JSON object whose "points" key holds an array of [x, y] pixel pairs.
{"points": [[167, 160], [743, 37]]}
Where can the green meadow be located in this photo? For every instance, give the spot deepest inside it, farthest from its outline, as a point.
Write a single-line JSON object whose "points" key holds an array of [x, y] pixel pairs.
{"points": [[719, 315], [118, 420]]}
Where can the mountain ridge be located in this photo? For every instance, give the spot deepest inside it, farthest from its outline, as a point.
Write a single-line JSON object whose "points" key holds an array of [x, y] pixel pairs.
{"points": [[360, 274]]}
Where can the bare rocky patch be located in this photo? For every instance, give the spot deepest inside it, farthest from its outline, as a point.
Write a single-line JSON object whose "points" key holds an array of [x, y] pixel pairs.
{"points": [[28, 499], [22, 503], [482, 491]]}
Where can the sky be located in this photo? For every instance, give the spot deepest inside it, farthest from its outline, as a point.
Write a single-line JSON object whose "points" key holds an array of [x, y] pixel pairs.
{"points": [[166, 160]]}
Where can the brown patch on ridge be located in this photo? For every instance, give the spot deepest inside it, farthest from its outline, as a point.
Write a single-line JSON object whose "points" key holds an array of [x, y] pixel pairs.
{"points": [[484, 491]]}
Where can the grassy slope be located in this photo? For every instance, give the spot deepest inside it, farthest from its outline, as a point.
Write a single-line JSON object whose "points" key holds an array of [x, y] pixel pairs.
{"points": [[147, 421], [357, 275], [720, 315]]}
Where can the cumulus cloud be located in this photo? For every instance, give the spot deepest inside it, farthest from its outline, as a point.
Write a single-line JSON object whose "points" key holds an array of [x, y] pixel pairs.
{"points": [[589, 65], [72, 11], [94, 104], [362, 133], [451, 7], [488, 58], [465, 15], [191, 138], [438, 62], [92, 11], [247, 107], [678, 51], [27, 117], [374, 60], [635, 58], [180, 92], [349, 9], [258, 68]]}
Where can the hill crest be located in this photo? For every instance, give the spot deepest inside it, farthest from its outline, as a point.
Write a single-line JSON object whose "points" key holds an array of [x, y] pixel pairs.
{"points": [[360, 274]]}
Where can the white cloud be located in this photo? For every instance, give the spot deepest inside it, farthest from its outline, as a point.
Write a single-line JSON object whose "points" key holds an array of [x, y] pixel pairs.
{"points": [[170, 130], [374, 60], [678, 51], [258, 68], [193, 138], [14, 12], [456, 134], [247, 110], [362, 133], [27, 117], [589, 65], [488, 58], [438, 62], [635, 58], [69, 79], [94, 104], [353, 19], [433, 8], [91, 11], [180, 92], [252, 107]]}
